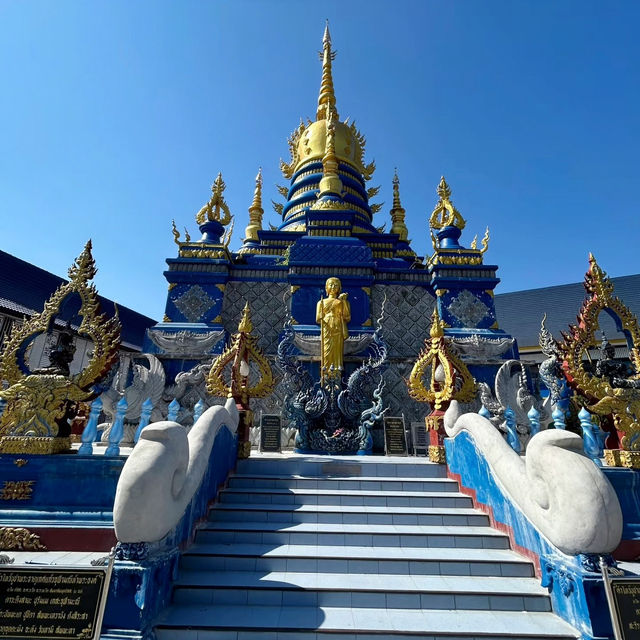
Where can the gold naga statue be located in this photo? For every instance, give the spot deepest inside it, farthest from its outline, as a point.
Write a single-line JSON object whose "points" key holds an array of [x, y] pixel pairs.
{"points": [[609, 389], [332, 314], [41, 403]]}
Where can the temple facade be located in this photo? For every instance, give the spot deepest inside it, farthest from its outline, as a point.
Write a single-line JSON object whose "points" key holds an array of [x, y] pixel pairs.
{"points": [[327, 230]]}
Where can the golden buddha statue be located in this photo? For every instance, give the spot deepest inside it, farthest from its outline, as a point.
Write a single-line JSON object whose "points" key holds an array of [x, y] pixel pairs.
{"points": [[332, 314]]}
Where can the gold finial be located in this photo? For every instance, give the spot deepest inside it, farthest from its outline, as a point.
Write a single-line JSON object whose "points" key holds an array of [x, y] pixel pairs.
{"points": [[397, 212], [175, 232], [327, 97], [216, 209], [437, 327], [255, 212], [444, 213], [245, 325], [330, 182]]}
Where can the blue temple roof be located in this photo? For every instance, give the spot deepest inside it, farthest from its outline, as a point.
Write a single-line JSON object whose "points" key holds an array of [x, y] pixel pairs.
{"points": [[24, 288], [520, 312]]}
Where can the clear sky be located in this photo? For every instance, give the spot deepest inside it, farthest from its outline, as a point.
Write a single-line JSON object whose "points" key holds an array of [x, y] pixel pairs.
{"points": [[116, 117]]}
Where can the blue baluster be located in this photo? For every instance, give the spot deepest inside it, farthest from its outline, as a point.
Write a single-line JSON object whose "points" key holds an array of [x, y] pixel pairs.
{"points": [[591, 444], [484, 412], [512, 432], [174, 407], [3, 404], [117, 429], [197, 410], [145, 416], [558, 418], [534, 421], [90, 432]]}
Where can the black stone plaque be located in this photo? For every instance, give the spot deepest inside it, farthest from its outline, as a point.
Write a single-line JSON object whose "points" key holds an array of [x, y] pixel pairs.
{"points": [[395, 438], [626, 599], [50, 603], [420, 437], [270, 430]]}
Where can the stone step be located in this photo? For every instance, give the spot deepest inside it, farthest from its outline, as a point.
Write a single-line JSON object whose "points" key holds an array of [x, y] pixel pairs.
{"points": [[345, 484], [360, 590], [206, 622], [347, 514], [378, 535], [341, 559], [343, 466], [366, 497]]}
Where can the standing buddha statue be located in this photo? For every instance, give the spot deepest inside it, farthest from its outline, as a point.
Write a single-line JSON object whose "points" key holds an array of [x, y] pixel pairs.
{"points": [[332, 314]]}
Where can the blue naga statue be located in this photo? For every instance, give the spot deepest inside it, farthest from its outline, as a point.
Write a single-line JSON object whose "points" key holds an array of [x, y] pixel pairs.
{"points": [[328, 417]]}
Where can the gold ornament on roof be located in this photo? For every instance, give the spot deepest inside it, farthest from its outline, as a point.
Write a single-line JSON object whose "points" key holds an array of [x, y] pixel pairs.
{"points": [[308, 142], [327, 97], [398, 225], [216, 210], [242, 350], [330, 182], [39, 403], [605, 395], [444, 213], [450, 379]]}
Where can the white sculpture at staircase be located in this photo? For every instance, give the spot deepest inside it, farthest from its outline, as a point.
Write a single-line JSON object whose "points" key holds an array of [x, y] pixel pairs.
{"points": [[557, 487], [163, 472]]}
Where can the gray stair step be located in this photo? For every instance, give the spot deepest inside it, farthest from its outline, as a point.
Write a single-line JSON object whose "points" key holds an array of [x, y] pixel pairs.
{"points": [[438, 483], [383, 623], [343, 466], [340, 559], [359, 590], [347, 514], [310, 533], [366, 497]]}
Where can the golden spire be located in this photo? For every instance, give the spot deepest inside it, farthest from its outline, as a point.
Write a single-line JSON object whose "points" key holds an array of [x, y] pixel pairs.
{"points": [[444, 213], [330, 182], [255, 212], [245, 325], [327, 97], [397, 212], [216, 209]]}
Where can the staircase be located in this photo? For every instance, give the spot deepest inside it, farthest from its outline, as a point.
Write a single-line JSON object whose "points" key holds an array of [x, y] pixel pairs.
{"points": [[302, 548]]}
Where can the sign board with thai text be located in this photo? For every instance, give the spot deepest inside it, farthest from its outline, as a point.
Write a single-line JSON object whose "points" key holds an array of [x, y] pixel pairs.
{"points": [[395, 438], [47, 603], [270, 432]]}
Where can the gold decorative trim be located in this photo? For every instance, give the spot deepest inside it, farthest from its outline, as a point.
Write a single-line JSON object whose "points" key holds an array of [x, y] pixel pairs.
{"points": [[19, 539], [221, 286], [166, 318], [294, 288], [172, 285], [34, 445], [437, 454], [368, 323], [20, 462], [17, 490], [622, 458]]}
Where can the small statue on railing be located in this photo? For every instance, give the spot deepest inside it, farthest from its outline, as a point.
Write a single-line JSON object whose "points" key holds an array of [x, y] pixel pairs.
{"points": [[243, 349], [618, 373], [41, 403]]}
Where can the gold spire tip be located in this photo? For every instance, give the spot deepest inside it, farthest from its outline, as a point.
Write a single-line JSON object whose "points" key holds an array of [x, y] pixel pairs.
{"points": [[245, 325], [327, 97]]}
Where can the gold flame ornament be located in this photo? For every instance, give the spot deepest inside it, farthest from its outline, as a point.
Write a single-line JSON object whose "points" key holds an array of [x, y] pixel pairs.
{"points": [[444, 213], [450, 378], [238, 354], [39, 403], [604, 399], [216, 209]]}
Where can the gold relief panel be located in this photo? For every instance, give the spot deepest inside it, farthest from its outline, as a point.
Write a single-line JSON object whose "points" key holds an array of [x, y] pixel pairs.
{"points": [[17, 490], [19, 539]]}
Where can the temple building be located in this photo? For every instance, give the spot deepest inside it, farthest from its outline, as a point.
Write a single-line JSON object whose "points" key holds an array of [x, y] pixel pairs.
{"points": [[327, 230]]}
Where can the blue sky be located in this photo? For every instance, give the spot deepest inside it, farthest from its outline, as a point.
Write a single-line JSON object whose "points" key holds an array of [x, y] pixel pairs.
{"points": [[116, 117]]}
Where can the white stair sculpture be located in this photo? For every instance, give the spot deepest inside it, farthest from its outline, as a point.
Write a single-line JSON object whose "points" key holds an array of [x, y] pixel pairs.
{"points": [[301, 548]]}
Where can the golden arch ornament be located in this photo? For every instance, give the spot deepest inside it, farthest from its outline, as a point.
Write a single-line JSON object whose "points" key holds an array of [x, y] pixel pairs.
{"points": [[602, 398], [39, 402]]}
